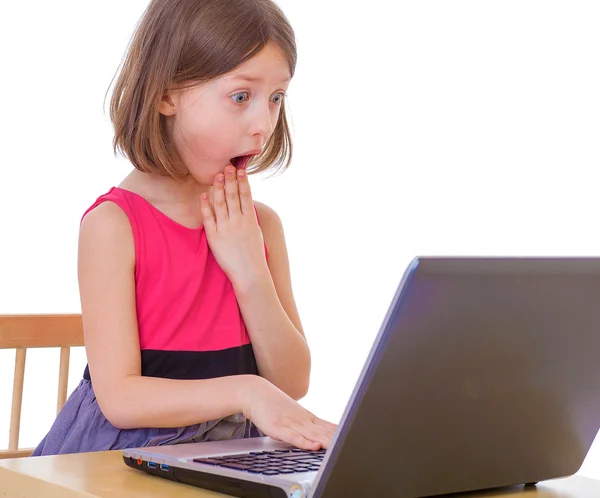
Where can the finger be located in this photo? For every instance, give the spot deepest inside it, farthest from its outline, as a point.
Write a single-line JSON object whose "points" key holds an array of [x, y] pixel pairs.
{"points": [[320, 422], [326, 431], [244, 189], [311, 432], [219, 203], [328, 438], [231, 192], [327, 425], [298, 440], [208, 217]]}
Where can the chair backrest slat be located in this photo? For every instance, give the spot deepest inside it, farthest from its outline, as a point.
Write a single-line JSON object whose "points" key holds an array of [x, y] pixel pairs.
{"points": [[17, 400], [40, 331], [63, 377]]}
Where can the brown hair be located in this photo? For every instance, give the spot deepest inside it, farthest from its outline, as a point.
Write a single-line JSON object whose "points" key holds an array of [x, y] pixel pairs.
{"points": [[178, 43]]}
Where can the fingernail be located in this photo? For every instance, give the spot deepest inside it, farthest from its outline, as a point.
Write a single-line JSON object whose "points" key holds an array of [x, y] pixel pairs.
{"points": [[241, 172], [220, 178]]}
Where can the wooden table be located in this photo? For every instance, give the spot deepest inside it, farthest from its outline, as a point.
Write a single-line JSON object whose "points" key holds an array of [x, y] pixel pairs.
{"points": [[104, 474]]}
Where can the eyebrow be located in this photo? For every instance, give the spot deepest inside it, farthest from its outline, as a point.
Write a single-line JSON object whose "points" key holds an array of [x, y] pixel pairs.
{"points": [[254, 79]]}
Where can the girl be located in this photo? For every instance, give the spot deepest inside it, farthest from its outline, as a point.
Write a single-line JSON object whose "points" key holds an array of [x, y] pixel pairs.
{"points": [[191, 329]]}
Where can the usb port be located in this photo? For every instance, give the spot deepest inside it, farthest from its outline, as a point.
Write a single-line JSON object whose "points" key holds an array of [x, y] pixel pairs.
{"points": [[165, 467], [151, 465]]}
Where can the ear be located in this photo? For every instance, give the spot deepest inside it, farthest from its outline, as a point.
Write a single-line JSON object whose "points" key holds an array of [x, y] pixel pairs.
{"points": [[168, 104]]}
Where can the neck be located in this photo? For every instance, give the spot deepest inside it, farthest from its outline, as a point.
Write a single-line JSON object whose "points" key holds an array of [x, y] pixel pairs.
{"points": [[165, 189]]}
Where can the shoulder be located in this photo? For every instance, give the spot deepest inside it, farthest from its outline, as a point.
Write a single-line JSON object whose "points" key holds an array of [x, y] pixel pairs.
{"points": [[271, 227], [105, 216], [268, 218], [106, 227]]}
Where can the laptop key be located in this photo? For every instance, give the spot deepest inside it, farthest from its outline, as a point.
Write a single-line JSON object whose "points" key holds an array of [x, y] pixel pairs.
{"points": [[235, 466], [300, 458]]}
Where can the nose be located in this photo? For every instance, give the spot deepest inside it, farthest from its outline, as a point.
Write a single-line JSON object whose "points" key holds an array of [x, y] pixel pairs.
{"points": [[262, 120]]}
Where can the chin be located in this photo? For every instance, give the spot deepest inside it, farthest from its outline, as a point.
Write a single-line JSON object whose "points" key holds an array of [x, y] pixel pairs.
{"points": [[205, 174], [203, 178]]}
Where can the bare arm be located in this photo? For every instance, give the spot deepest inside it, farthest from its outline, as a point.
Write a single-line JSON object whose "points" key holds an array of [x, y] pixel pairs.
{"points": [[271, 316], [107, 289]]}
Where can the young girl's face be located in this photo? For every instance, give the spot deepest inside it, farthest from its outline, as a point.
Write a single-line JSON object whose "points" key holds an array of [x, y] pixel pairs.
{"points": [[229, 116]]}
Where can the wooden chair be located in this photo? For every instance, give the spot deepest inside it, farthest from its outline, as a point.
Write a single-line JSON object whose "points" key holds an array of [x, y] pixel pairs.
{"points": [[22, 332]]}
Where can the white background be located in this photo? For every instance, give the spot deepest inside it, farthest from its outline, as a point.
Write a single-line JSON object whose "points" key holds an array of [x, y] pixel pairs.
{"points": [[421, 128]]}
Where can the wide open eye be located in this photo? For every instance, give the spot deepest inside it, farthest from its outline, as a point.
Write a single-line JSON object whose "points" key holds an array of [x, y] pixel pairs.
{"points": [[278, 98], [240, 97]]}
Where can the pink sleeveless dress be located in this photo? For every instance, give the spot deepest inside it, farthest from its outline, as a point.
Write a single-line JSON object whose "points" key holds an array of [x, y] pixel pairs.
{"points": [[190, 327]]}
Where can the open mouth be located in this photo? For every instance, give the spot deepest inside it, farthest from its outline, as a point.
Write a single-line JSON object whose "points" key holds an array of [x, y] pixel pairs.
{"points": [[240, 162]]}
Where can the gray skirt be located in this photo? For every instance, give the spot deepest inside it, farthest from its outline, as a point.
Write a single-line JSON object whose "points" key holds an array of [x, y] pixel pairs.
{"points": [[81, 427]]}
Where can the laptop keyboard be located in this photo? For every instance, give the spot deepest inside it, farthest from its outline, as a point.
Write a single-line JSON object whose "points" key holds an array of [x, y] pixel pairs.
{"points": [[270, 463]]}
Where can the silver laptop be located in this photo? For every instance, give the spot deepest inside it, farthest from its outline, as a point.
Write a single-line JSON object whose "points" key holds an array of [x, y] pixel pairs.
{"points": [[485, 373]]}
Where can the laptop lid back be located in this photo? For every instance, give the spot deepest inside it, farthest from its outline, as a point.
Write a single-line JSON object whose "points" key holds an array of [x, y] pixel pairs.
{"points": [[485, 373]]}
